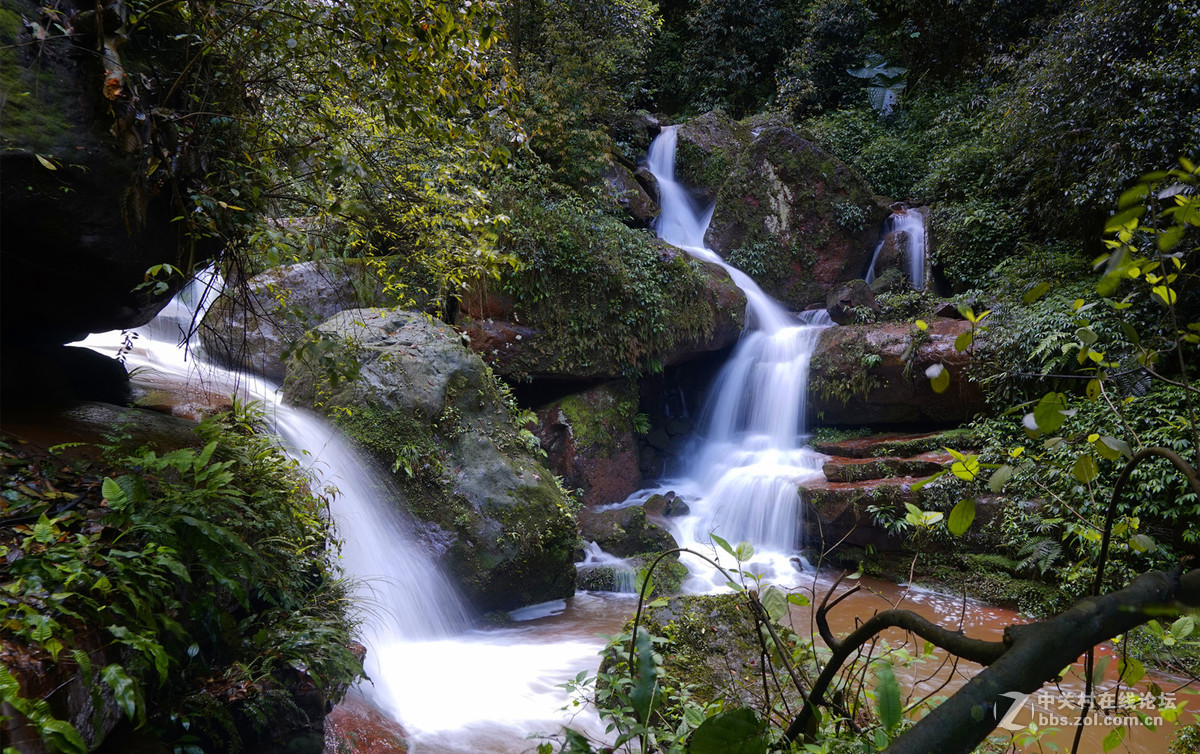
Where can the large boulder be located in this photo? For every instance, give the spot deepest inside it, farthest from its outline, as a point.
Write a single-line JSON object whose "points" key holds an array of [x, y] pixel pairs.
{"points": [[625, 192], [706, 151], [251, 326], [91, 174], [426, 407], [625, 532], [795, 218], [523, 339], [847, 302], [875, 375], [588, 440]]}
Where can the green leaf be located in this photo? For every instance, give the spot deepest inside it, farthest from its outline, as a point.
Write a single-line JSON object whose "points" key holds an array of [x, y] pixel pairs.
{"points": [[112, 492], [643, 581], [966, 469], [1114, 738], [1000, 477], [1142, 543], [46, 163], [645, 676], [1164, 294], [1093, 389], [1183, 628], [737, 731], [963, 341], [743, 552], [721, 543], [1036, 292], [1131, 670], [939, 377], [887, 697], [124, 689], [774, 602], [798, 599], [961, 517], [921, 324], [1099, 669], [1050, 412], [1085, 468]]}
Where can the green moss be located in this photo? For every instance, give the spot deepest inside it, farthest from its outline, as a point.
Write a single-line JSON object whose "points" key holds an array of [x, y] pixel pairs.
{"points": [[599, 418], [607, 299], [845, 374]]}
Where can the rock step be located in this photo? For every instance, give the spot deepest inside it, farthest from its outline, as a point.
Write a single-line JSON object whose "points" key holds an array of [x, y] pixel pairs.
{"points": [[897, 444], [840, 469], [837, 511]]}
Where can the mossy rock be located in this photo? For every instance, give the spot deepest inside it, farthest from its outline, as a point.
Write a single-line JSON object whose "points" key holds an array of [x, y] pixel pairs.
{"points": [[85, 213], [781, 216], [625, 532], [707, 148], [250, 327], [595, 299], [426, 407], [712, 648], [588, 439]]}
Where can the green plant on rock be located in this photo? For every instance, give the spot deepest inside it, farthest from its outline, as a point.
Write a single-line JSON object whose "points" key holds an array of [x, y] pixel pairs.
{"points": [[203, 570]]}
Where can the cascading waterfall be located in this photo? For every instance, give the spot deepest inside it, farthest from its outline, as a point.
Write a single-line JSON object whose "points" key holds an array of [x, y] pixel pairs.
{"points": [[742, 478], [422, 654], [911, 223]]}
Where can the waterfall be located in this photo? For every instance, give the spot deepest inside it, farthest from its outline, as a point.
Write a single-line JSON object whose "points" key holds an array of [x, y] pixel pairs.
{"points": [[399, 592], [743, 474], [910, 223], [454, 687]]}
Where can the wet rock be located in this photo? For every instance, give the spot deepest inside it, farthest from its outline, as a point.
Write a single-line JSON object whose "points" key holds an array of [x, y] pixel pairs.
{"points": [[897, 443], [893, 256], [77, 239], [50, 374], [251, 327], [838, 511], [795, 218], [624, 532], [707, 148], [668, 505], [624, 191], [588, 440], [426, 407], [518, 349], [847, 297], [874, 375], [863, 469], [356, 725]]}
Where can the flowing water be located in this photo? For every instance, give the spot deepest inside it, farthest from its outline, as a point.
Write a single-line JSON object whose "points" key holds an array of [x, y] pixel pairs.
{"points": [[911, 222], [742, 472], [460, 689]]}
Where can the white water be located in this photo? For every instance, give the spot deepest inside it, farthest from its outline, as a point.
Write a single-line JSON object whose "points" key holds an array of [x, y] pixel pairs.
{"points": [[741, 479], [912, 223], [455, 689]]}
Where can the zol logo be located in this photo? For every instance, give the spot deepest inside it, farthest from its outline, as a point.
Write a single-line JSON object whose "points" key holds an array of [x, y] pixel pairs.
{"points": [[1006, 722]]}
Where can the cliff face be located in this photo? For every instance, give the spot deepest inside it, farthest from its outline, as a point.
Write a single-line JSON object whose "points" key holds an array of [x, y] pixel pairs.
{"points": [[94, 169]]}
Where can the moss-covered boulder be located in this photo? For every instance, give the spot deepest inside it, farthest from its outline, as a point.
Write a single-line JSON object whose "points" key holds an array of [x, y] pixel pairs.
{"points": [[625, 193], [795, 218], [588, 440], [595, 299], [429, 409], [713, 647], [707, 149], [624, 532], [252, 326], [91, 172], [875, 375]]}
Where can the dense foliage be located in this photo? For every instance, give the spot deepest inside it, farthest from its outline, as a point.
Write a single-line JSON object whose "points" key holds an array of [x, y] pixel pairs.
{"points": [[194, 585]]}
